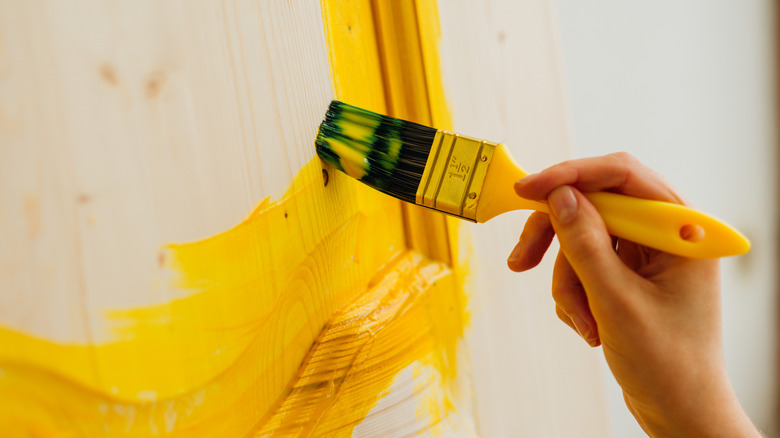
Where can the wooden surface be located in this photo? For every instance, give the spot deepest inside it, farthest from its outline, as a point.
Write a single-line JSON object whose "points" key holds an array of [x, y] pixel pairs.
{"points": [[532, 375], [127, 125], [130, 126]]}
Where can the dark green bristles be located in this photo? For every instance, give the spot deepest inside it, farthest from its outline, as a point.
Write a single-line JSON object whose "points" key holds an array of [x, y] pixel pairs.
{"points": [[383, 152]]}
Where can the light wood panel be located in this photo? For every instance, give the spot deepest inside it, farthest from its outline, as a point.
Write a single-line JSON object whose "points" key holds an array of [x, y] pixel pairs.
{"points": [[126, 125], [532, 375], [146, 124]]}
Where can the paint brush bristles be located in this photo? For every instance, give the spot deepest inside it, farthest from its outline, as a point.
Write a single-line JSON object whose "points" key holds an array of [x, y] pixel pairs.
{"points": [[406, 160], [386, 153]]}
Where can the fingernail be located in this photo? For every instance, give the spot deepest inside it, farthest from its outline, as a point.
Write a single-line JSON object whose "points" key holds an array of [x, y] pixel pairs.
{"points": [[583, 329], [563, 203], [522, 181], [516, 252]]}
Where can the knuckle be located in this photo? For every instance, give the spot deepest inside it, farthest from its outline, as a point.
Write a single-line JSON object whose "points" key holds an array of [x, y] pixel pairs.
{"points": [[585, 243], [565, 171], [624, 157]]}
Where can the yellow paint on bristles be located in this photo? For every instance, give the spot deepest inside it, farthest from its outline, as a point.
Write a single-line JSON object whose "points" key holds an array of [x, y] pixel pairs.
{"points": [[356, 127], [354, 160]]}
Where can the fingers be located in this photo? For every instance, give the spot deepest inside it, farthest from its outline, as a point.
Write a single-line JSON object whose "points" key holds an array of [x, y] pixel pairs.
{"points": [[634, 256], [564, 317], [619, 172], [534, 241], [572, 303], [585, 242]]}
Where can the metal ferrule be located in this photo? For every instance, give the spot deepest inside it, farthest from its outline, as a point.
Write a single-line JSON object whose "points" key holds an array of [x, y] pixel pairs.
{"points": [[454, 174]]}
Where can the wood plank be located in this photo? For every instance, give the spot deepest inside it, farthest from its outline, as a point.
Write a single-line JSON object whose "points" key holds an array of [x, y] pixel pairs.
{"points": [[128, 125], [167, 123], [407, 62], [137, 123], [532, 375]]}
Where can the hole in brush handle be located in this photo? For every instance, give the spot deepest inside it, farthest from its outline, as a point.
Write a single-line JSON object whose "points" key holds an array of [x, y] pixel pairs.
{"points": [[692, 233]]}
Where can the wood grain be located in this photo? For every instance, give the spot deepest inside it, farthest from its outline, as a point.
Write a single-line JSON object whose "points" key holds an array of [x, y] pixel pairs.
{"points": [[130, 124], [532, 375]]}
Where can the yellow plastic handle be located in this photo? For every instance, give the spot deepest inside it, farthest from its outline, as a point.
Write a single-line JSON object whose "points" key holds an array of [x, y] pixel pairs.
{"points": [[655, 224], [658, 225]]}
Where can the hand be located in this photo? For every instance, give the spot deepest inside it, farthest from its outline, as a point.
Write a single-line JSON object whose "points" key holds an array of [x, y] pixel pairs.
{"points": [[657, 315]]}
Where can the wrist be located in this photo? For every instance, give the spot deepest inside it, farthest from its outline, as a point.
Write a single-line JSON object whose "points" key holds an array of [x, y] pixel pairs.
{"points": [[712, 412]]}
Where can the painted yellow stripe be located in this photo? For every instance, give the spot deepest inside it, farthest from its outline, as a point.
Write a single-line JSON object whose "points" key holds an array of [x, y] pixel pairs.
{"points": [[353, 51], [410, 67], [416, 314]]}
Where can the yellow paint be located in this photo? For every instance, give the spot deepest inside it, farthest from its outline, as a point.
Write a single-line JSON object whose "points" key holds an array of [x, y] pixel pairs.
{"points": [[353, 53], [404, 49], [361, 128], [217, 361], [409, 32], [427, 13], [321, 293], [407, 317], [260, 294], [354, 162], [384, 57]]}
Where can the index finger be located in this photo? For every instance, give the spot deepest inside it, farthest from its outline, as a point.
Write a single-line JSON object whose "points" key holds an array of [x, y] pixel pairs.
{"points": [[619, 173]]}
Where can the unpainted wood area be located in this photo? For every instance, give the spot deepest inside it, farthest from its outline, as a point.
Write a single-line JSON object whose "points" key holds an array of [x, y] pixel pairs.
{"points": [[502, 78], [776, 409], [126, 125]]}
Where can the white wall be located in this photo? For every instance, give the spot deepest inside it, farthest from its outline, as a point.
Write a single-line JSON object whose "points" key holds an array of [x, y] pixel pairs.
{"points": [[688, 87]]}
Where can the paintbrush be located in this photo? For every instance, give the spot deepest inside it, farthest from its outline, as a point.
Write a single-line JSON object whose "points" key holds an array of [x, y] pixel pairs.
{"points": [[473, 180]]}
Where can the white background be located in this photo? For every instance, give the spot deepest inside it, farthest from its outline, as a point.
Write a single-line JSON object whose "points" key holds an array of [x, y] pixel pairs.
{"points": [[688, 87]]}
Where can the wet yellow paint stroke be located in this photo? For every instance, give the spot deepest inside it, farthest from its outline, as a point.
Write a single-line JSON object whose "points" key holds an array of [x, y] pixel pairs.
{"points": [[353, 53], [215, 359], [408, 317], [398, 74]]}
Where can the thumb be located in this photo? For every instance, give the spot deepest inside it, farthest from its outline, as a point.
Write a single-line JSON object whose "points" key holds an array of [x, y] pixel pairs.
{"points": [[584, 240]]}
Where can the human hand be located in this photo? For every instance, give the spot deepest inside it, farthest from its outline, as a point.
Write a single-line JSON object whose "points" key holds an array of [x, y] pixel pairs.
{"points": [[657, 316]]}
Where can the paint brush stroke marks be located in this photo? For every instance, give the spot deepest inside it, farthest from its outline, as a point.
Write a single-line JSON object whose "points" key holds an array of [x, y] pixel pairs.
{"points": [[408, 317], [292, 322]]}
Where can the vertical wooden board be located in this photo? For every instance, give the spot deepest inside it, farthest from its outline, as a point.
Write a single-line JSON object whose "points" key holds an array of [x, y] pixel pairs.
{"points": [[146, 124], [407, 72], [427, 12], [397, 55], [37, 193], [354, 55], [532, 375], [403, 69], [132, 124]]}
